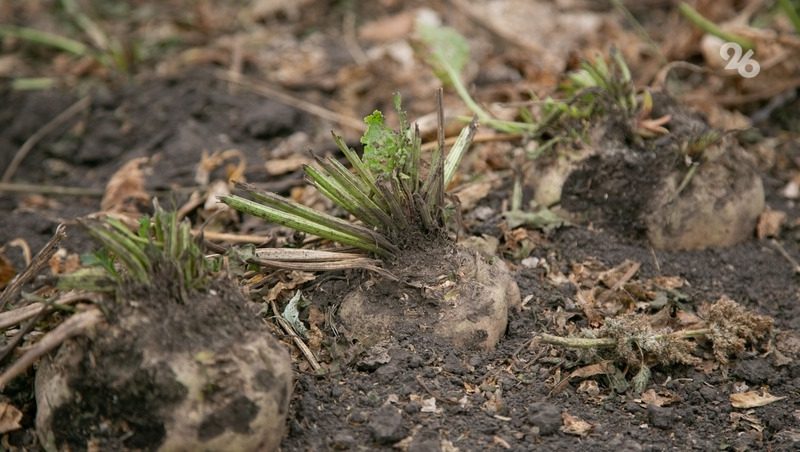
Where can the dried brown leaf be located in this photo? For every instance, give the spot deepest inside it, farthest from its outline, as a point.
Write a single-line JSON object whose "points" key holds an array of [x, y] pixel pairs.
{"points": [[668, 282], [662, 398], [276, 167], [471, 193], [573, 425], [601, 368], [125, 189], [7, 270], [752, 420], [10, 417], [770, 223], [616, 277], [208, 163], [753, 399], [387, 29], [295, 279], [589, 387], [63, 262]]}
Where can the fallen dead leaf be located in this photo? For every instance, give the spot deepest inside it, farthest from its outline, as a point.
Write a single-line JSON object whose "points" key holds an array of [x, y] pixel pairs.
{"points": [[668, 282], [9, 418], [473, 192], [208, 163], [591, 370], [749, 418], [651, 397], [7, 271], [614, 278], [573, 425], [589, 387], [126, 188], [447, 446], [471, 388], [221, 212], [753, 399], [276, 167], [792, 189], [262, 9], [35, 201], [429, 406], [388, 28], [531, 24], [63, 262], [770, 223], [295, 279]]}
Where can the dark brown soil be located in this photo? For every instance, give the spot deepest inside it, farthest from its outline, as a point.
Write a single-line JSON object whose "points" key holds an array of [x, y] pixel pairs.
{"points": [[513, 400]]}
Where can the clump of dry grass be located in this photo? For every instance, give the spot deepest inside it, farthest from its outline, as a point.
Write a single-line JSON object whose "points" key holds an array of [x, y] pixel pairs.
{"points": [[731, 327], [635, 342]]}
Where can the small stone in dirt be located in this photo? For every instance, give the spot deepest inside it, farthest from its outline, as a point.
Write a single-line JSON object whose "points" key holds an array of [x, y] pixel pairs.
{"points": [[748, 441], [621, 443], [386, 425], [546, 417], [342, 441], [412, 407], [308, 406], [661, 417], [753, 371], [530, 262], [452, 364], [475, 361], [358, 417], [425, 441], [483, 213], [708, 394], [633, 407], [387, 370], [373, 358], [414, 362]]}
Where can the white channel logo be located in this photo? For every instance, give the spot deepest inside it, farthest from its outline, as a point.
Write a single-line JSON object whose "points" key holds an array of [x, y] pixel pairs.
{"points": [[744, 64]]}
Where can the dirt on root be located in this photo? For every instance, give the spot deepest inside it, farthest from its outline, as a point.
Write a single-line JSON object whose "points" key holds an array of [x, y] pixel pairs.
{"points": [[122, 399], [441, 289], [615, 186]]}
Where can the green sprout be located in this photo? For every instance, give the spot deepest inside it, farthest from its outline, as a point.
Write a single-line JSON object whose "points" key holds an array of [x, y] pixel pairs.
{"points": [[610, 81], [161, 243], [713, 29], [386, 149], [448, 54], [386, 191], [596, 84]]}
